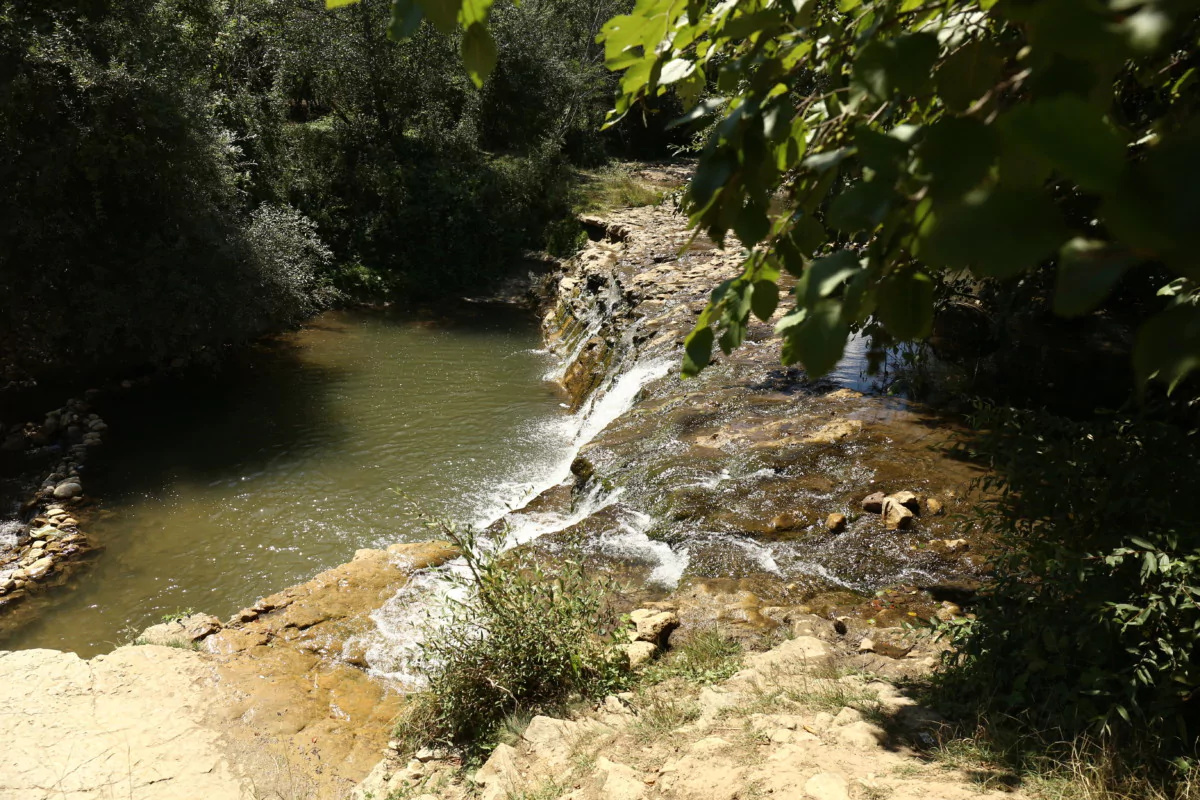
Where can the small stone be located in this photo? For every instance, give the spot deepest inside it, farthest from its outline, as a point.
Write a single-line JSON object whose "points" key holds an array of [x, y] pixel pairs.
{"points": [[613, 705], [68, 522], [948, 611], [652, 626], [639, 653], [896, 516], [835, 523], [827, 786], [933, 506], [432, 754], [866, 646], [873, 502]]}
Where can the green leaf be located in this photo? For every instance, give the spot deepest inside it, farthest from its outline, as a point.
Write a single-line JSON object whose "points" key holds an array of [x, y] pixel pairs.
{"points": [[676, 70], [479, 53], [406, 18], [751, 224], [765, 299], [905, 305], [818, 340], [1072, 135], [1087, 271], [882, 153], [861, 207], [899, 65], [968, 73], [808, 235], [826, 275], [957, 153], [442, 13], [997, 234], [1168, 346], [697, 351]]}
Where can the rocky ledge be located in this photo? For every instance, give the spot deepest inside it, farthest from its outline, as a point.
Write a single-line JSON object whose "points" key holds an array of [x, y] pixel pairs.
{"points": [[798, 721], [272, 703], [751, 480]]}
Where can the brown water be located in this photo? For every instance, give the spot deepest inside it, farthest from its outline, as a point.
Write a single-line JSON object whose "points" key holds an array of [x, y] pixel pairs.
{"points": [[216, 491]]}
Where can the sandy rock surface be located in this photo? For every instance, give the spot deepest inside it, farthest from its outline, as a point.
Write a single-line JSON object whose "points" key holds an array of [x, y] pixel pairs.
{"points": [[265, 707]]}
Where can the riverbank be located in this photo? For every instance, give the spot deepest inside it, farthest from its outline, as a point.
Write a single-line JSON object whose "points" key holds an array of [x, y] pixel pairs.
{"points": [[738, 499]]}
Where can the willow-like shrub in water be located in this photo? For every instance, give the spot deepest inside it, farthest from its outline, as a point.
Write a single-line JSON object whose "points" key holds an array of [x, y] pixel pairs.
{"points": [[523, 639]]}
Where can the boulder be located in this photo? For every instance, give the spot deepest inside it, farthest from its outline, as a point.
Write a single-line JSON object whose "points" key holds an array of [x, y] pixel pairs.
{"points": [[653, 626], [896, 515], [873, 502], [498, 776]]}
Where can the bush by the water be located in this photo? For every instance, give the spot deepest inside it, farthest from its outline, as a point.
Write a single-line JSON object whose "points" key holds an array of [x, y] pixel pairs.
{"points": [[1091, 628], [524, 639]]}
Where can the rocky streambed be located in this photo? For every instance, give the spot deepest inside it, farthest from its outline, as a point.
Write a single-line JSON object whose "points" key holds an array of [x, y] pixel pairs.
{"points": [[751, 498]]}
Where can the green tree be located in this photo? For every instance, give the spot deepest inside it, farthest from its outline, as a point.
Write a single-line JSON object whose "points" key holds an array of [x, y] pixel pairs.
{"points": [[874, 149]]}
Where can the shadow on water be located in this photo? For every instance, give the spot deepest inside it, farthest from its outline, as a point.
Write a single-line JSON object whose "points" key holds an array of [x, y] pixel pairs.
{"points": [[217, 487]]}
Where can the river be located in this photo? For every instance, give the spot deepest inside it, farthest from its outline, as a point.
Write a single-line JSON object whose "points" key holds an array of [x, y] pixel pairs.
{"points": [[220, 488]]}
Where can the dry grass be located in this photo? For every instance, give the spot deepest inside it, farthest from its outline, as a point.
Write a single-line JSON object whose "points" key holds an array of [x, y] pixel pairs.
{"points": [[610, 188]]}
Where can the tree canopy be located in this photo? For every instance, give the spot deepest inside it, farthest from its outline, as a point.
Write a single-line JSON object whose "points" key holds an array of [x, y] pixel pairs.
{"points": [[876, 150]]}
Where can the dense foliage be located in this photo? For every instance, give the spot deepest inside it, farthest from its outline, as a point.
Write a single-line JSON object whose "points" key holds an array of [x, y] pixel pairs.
{"points": [[914, 141], [183, 174], [518, 638], [1094, 622]]}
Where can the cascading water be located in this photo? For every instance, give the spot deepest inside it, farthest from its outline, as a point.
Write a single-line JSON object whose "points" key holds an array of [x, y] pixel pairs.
{"points": [[393, 647]]}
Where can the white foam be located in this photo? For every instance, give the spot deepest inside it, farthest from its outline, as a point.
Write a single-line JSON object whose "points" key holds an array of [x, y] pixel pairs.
{"points": [[632, 544], [393, 648]]}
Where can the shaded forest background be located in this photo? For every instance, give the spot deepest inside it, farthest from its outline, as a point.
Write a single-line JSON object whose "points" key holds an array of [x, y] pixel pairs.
{"points": [[181, 174]]}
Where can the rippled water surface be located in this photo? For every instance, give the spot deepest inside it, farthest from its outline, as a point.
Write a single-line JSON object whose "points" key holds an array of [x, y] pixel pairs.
{"points": [[219, 490]]}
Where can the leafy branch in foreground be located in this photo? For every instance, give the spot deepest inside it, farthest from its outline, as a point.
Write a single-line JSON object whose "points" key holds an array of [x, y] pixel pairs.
{"points": [[913, 141], [516, 638]]}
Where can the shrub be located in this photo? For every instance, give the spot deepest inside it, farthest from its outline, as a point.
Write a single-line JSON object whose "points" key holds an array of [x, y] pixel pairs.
{"points": [[1093, 622], [522, 640]]}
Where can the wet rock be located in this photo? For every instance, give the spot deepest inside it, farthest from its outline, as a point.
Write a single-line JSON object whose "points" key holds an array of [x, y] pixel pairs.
{"points": [[67, 490], [873, 502], [39, 568], [933, 506], [866, 646], [653, 626], [896, 515], [907, 499], [835, 523]]}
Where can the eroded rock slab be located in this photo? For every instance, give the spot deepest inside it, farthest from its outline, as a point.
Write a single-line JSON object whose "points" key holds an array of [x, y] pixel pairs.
{"points": [[267, 707]]}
